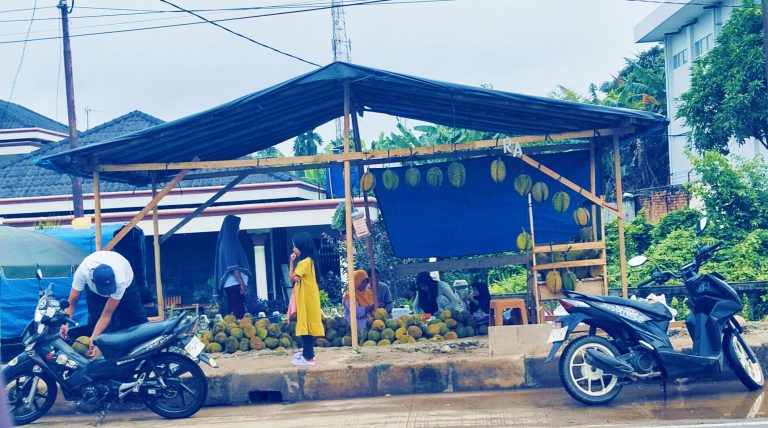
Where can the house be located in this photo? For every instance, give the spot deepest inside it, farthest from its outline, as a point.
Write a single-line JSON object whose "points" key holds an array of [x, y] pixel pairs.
{"points": [[688, 29], [272, 207], [24, 131]]}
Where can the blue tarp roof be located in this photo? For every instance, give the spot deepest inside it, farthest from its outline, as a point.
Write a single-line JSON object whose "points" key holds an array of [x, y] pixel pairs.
{"points": [[276, 114]]}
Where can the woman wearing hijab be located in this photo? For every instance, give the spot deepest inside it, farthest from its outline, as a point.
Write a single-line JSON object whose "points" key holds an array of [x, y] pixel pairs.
{"points": [[364, 300], [435, 296], [231, 266]]}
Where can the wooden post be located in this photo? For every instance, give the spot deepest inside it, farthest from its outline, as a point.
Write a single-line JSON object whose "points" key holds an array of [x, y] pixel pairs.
{"points": [[97, 208], [593, 185], [620, 217], [156, 233], [348, 222], [605, 251], [369, 238], [534, 272]]}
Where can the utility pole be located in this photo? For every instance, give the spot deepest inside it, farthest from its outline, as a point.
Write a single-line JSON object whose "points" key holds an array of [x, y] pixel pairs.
{"points": [[77, 185]]}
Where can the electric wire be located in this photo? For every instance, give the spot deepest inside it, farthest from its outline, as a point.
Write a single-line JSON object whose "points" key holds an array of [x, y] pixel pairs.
{"points": [[21, 62], [264, 45]]}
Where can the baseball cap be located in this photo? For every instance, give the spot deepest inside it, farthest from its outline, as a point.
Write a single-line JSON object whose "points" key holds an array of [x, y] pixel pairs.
{"points": [[104, 279]]}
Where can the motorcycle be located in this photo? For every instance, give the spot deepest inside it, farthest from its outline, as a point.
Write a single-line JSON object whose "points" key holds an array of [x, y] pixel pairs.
{"points": [[635, 346], [155, 363]]}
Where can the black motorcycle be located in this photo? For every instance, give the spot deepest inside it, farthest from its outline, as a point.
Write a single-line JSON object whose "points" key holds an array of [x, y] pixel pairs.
{"points": [[635, 345], [154, 363]]}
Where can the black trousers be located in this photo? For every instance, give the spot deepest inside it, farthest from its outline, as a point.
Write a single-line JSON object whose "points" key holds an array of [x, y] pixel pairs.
{"points": [[129, 312], [235, 301], [308, 347]]}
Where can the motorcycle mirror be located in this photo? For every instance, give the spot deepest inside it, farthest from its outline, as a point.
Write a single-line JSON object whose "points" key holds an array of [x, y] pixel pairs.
{"points": [[637, 260], [63, 303], [701, 225], [39, 273]]}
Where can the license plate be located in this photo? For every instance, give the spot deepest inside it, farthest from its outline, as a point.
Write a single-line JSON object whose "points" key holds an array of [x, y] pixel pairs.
{"points": [[194, 347], [557, 335]]}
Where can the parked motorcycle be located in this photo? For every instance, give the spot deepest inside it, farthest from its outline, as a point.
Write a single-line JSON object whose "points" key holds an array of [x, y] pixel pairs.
{"points": [[635, 346], [154, 363]]}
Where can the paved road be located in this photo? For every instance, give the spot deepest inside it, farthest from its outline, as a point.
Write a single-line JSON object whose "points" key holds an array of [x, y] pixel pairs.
{"points": [[722, 404]]}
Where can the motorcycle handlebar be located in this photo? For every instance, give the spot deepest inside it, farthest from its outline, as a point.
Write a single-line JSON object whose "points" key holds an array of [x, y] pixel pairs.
{"points": [[646, 282]]}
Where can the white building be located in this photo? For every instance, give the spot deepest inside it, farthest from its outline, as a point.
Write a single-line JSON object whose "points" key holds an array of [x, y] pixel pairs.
{"points": [[688, 30]]}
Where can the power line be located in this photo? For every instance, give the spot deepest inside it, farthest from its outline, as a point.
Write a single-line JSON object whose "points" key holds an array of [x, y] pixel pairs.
{"points": [[21, 61], [128, 30], [241, 35]]}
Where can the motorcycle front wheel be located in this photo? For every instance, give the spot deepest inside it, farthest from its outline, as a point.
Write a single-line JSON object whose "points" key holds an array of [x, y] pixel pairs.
{"points": [[749, 372], [185, 386], [30, 395], [582, 381]]}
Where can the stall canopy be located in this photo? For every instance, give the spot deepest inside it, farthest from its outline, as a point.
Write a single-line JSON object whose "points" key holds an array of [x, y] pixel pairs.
{"points": [[276, 114]]}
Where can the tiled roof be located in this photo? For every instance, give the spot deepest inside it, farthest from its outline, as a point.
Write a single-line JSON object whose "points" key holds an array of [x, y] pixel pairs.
{"points": [[15, 116], [23, 178]]}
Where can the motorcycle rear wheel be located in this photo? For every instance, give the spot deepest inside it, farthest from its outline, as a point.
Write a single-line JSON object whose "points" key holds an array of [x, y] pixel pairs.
{"points": [[17, 390], [186, 386], [583, 382], [749, 373]]}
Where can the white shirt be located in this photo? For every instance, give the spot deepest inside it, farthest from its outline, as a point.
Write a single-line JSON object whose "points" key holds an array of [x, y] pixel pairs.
{"points": [[118, 263], [231, 281]]}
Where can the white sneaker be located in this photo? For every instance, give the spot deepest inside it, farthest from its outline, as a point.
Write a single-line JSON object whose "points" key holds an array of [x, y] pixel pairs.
{"points": [[302, 362]]}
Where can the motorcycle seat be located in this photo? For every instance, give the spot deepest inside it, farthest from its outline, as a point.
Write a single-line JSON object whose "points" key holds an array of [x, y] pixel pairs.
{"points": [[654, 310], [132, 336]]}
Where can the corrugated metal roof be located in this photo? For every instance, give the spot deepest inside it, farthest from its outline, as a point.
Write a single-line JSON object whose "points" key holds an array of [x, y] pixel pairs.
{"points": [[15, 116], [268, 117]]}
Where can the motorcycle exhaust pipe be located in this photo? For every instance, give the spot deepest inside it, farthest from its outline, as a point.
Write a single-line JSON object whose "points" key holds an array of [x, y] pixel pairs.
{"points": [[608, 364]]}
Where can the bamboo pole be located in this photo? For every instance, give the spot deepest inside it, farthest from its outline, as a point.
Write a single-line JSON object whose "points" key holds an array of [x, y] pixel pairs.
{"points": [[137, 218], [620, 219], [156, 233], [369, 238], [97, 208], [348, 218], [605, 253], [593, 185], [365, 156]]}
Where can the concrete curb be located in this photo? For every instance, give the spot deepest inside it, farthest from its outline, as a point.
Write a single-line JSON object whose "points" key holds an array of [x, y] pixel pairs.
{"points": [[448, 374]]}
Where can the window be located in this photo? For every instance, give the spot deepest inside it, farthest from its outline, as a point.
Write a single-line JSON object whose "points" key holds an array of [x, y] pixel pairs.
{"points": [[702, 46], [680, 58]]}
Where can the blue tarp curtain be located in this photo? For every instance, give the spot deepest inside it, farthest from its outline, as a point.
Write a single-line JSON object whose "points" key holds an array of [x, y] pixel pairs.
{"points": [[482, 216], [83, 239], [18, 300]]}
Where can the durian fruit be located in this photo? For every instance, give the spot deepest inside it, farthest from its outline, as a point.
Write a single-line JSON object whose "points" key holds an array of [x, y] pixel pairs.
{"points": [[384, 342], [285, 342], [244, 345], [381, 314], [437, 338], [524, 241], [435, 176], [322, 342], [450, 336], [271, 342], [569, 280], [213, 348], [367, 182], [244, 323], [374, 335], [257, 344], [554, 281], [249, 331], [498, 170], [407, 339], [482, 330], [346, 341], [470, 331], [230, 345], [400, 332], [457, 174], [378, 325], [451, 323], [390, 179], [261, 332], [230, 319], [82, 344], [414, 331], [412, 176], [369, 343], [220, 338], [444, 315], [433, 330], [388, 334], [540, 192], [237, 333], [523, 184], [595, 271], [581, 216], [560, 201]]}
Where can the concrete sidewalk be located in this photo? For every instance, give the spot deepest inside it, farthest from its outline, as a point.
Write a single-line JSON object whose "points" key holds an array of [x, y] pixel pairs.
{"points": [[340, 373]]}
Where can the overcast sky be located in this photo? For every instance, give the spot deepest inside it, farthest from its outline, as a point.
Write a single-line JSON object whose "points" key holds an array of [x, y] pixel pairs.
{"points": [[525, 46]]}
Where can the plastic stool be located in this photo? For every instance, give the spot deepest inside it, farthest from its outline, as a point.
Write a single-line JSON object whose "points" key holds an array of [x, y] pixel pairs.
{"points": [[499, 305]]}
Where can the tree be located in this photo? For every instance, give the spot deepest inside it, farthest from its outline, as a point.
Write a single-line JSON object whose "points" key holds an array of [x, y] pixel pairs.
{"points": [[640, 85], [729, 93], [307, 143]]}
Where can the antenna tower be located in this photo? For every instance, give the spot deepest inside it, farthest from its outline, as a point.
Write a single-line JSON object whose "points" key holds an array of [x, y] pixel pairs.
{"points": [[341, 46]]}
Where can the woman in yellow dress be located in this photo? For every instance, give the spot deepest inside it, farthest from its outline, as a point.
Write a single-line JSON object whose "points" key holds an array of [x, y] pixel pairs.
{"points": [[309, 320]]}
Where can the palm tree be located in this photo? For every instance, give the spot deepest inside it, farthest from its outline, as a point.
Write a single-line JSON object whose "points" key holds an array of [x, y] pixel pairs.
{"points": [[307, 143]]}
